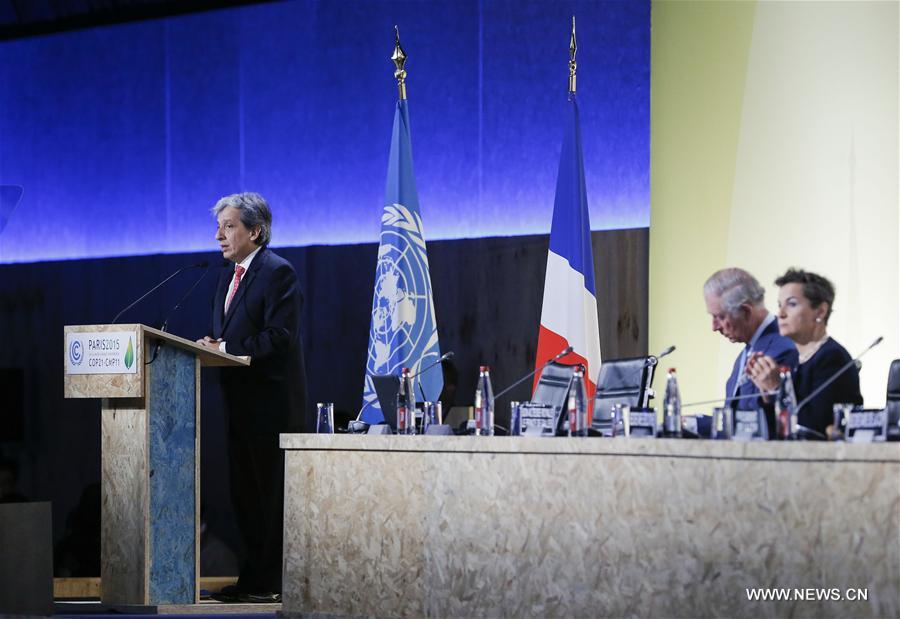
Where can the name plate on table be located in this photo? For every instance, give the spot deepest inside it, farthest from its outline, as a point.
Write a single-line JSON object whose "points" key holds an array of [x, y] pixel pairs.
{"points": [[642, 423], [537, 419], [689, 425], [867, 426], [101, 352], [750, 425]]}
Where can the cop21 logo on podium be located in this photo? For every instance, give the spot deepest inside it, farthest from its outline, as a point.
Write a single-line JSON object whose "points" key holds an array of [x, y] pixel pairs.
{"points": [[101, 352]]}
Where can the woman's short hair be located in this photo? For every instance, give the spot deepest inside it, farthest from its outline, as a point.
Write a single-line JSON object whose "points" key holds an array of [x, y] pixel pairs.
{"points": [[254, 212], [816, 288], [734, 287]]}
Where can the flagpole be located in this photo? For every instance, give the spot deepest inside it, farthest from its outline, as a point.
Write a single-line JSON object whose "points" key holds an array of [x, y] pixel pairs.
{"points": [[573, 49], [402, 294], [399, 59]]}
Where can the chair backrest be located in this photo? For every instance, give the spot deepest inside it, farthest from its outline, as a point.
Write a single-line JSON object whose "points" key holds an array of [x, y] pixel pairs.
{"points": [[892, 402], [622, 381], [553, 388], [386, 388]]}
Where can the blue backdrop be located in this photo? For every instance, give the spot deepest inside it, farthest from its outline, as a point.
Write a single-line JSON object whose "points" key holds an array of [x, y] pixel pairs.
{"points": [[124, 136]]}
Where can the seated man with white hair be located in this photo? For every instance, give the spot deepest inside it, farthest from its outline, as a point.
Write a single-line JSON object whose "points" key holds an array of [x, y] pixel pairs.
{"points": [[736, 302]]}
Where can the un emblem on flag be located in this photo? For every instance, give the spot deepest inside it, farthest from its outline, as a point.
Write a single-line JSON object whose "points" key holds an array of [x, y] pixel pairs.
{"points": [[402, 310]]}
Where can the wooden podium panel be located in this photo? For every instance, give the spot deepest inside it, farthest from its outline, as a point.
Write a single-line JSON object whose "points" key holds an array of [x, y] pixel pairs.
{"points": [[466, 526], [150, 477]]}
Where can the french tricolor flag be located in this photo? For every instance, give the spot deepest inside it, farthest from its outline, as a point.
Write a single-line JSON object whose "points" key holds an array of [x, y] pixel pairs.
{"points": [[569, 311]]}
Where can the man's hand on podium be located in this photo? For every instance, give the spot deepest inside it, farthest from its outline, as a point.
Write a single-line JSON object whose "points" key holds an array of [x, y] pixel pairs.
{"points": [[209, 342]]}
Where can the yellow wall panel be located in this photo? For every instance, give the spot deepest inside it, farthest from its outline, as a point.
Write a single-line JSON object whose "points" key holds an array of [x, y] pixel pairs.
{"points": [[698, 57], [774, 143]]}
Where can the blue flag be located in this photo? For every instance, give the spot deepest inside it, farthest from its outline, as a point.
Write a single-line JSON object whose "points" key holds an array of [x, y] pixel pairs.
{"points": [[404, 329]]}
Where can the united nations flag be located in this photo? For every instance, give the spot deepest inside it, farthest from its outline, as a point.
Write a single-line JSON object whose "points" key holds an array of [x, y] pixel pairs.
{"points": [[404, 329]]}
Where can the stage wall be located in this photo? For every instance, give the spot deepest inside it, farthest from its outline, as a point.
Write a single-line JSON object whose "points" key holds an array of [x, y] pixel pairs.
{"points": [[124, 136], [487, 301]]}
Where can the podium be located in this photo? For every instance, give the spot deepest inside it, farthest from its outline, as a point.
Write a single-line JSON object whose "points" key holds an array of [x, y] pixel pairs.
{"points": [[149, 382]]}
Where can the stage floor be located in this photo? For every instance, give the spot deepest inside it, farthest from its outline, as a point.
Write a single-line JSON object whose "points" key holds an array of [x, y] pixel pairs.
{"points": [[206, 608]]}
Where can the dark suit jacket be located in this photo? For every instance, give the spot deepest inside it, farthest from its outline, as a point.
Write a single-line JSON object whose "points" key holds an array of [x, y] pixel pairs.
{"points": [[818, 412], [770, 342], [263, 321]]}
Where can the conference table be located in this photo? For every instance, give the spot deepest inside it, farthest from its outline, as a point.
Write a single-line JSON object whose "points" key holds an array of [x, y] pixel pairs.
{"points": [[453, 526]]}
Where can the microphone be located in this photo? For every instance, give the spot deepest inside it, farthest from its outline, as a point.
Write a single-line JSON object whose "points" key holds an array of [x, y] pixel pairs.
{"points": [[651, 360], [667, 351], [165, 323], [565, 351], [733, 399], [443, 358], [364, 407], [199, 265], [835, 376]]}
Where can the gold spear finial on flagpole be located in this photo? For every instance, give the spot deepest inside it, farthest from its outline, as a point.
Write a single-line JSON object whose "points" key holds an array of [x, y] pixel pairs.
{"points": [[573, 49], [399, 58]]}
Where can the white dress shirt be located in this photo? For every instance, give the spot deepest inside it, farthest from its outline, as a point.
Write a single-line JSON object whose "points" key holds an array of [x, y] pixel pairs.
{"points": [[245, 264]]}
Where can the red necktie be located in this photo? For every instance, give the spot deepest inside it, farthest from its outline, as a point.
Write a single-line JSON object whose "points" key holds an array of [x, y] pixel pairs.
{"points": [[238, 272]]}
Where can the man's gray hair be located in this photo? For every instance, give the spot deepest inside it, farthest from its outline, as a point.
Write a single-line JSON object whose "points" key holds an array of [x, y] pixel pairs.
{"points": [[254, 212], [734, 287]]}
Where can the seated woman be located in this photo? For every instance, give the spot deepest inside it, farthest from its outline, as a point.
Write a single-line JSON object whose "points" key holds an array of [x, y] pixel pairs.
{"points": [[805, 301]]}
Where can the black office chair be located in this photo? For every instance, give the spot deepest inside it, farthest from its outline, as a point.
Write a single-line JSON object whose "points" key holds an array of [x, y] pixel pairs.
{"points": [[552, 390], [622, 381], [892, 402]]}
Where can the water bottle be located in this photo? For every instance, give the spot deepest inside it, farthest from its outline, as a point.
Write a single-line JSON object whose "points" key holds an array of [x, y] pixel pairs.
{"points": [[515, 419], [578, 403], [406, 404], [617, 421], [672, 407], [786, 406], [484, 403]]}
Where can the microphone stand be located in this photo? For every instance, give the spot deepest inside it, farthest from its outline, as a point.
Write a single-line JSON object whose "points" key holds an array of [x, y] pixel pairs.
{"points": [[361, 410], [157, 287], [444, 357], [559, 356], [835, 376], [165, 323], [830, 380], [734, 399], [651, 362]]}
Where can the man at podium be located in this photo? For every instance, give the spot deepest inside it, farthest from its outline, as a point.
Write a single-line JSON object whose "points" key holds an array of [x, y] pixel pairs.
{"points": [[256, 312]]}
